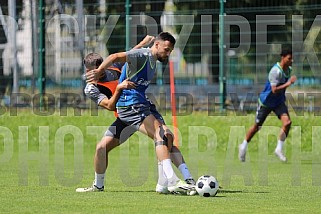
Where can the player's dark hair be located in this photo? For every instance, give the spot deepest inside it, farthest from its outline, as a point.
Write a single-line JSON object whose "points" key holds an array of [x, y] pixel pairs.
{"points": [[286, 52], [93, 60], [165, 36]]}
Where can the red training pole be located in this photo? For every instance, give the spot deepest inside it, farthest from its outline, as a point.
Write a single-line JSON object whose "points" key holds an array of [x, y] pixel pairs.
{"points": [[173, 101]]}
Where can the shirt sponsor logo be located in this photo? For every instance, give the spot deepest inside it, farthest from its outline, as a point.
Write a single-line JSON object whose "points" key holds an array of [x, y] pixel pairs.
{"points": [[143, 82]]}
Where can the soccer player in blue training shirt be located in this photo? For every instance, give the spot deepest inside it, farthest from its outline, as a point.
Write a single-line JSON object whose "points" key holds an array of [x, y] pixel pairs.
{"points": [[272, 98], [135, 109]]}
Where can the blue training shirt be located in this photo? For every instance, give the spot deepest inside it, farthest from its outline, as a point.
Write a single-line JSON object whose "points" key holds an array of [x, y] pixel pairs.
{"points": [[140, 69], [276, 77]]}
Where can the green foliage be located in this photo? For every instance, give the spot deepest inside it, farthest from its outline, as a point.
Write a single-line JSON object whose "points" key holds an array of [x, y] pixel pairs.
{"points": [[280, 34]]}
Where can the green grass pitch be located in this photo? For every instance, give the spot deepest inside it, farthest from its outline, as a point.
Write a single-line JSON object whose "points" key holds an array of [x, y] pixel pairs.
{"points": [[43, 159]]}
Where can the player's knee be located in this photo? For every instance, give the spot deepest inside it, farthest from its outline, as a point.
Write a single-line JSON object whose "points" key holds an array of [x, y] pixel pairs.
{"points": [[170, 145], [161, 135], [288, 124], [175, 149], [101, 148], [170, 137], [106, 145]]}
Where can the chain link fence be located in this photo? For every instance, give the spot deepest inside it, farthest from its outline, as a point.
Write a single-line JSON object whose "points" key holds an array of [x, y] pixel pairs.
{"points": [[254, 33]]}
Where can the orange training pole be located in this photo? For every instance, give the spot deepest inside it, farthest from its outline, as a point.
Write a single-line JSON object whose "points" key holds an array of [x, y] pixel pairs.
{"points": [[173, 101]]}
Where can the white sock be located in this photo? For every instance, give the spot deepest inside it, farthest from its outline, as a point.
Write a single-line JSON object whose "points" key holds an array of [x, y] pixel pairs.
{"points": [[184, 170], [244, 145], [169, 172], [279, 145], [161, 175], [99, 179]]}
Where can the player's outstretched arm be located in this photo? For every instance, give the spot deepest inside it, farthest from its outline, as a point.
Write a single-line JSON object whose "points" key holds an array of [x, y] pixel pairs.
{"points": [[93, 75], [146, 41], [112, 58]]}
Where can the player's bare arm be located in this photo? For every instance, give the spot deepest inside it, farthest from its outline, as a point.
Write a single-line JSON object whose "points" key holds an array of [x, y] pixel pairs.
{"points": [[93, 75], [145, 42], [116, 57], [110, 104], [277, 89]]}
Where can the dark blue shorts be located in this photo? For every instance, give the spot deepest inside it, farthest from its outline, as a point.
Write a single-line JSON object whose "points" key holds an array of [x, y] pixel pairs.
{"points": [[120, 130], [263, 111], [134, 115], [123, 130]]}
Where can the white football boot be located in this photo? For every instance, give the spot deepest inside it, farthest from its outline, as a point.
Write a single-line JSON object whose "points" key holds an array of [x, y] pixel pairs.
{"points": [[92, 188], [280, 155], [181, 187], [191, 181], [242, 153], [161, 189]]}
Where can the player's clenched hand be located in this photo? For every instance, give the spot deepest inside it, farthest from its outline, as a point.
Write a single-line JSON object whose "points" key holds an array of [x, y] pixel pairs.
{"points": [[148, 39], [126, 84], [92, 76], [293, 79]]}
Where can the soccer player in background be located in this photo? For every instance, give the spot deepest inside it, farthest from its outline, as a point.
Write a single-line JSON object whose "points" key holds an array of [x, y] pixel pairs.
{"points": [[272, 98], [98, 92]]}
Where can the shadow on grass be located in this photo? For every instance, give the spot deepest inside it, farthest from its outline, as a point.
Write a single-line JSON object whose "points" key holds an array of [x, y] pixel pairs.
{"points": [[122, 191], [240, 191], [220, 191], [153, 191]]}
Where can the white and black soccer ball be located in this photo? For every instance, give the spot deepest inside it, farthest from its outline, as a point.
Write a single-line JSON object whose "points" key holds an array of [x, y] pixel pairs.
{"points": [[207, 186]]}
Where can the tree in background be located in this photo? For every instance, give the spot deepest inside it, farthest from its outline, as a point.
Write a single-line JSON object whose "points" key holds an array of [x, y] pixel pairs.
{"points": [[3, 40], [138, 7], [193, 52]]}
